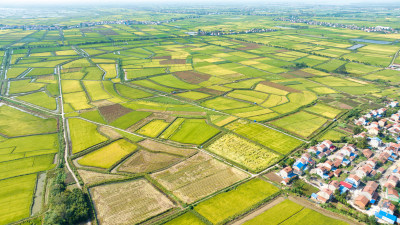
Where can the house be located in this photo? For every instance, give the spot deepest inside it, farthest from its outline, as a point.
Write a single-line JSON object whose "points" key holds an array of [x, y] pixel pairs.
{"points": [[328, 164], [369, 190], [322, 148], [374, 131], [392, 181], [360, 135], [382, 122], [324, 195], [361, 201], [333, 185], [337, 172], [322, 172], [395, 117], [371, 163], [375, 142], [327, 143], [384, 157], [387, 217], [387, 207], [367, 153], [382, 111], [286, 172], [381, 170], [374, 124], [392, 194], [363, 171], [393, 104], [312, 150], [353, 180]]}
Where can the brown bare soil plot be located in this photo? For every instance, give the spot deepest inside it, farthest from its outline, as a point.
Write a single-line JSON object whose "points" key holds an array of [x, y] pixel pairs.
{"points": [[128, 202], [162, 57], [173, 61], [192, 77], [90, 177], [210, 91], [160, 147], [113, 112], [302, 73], [273, 177], [249, 46], [197, 177], [287, 75], [144, 162], [279, 86]]}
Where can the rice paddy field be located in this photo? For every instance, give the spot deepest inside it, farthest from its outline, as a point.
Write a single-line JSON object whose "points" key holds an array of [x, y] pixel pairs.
{"points": [[190, 110], [288, 212], [232, 203]]}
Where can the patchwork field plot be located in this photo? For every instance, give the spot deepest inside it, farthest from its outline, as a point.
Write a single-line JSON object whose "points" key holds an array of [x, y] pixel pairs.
{"points": [[301, 123], [40, 99], [235, 202], [145, 161], [194, 131], [198, 177], [108, 155], [16, 122], [272, 139], [154, 128], [324, 110], [288, 212], [83, 134], [115, 205], [244, 152], [16, 198], [90, 177]]}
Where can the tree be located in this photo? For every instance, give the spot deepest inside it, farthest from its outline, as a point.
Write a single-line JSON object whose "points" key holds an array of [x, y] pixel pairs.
{"points": [[362, 143], [357, 130]]}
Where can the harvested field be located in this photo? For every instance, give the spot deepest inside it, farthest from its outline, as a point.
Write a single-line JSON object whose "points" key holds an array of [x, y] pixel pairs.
{"points": [[160, 147], [115, 205], [197, 177], [281, 87], [273, 177], [173, 61], [145, 162], [90, 177], [113, 112], [192, 77], [109, 132]]}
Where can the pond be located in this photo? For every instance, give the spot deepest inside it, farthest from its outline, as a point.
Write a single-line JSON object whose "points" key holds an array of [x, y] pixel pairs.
{"points": [[371, 41]]}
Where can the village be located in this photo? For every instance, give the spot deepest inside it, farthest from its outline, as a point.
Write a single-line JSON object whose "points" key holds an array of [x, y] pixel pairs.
{"points": [[366, 177]]}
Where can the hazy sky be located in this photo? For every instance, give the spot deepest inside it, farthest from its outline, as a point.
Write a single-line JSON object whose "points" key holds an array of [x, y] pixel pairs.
{"points": [[133, 2]]}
